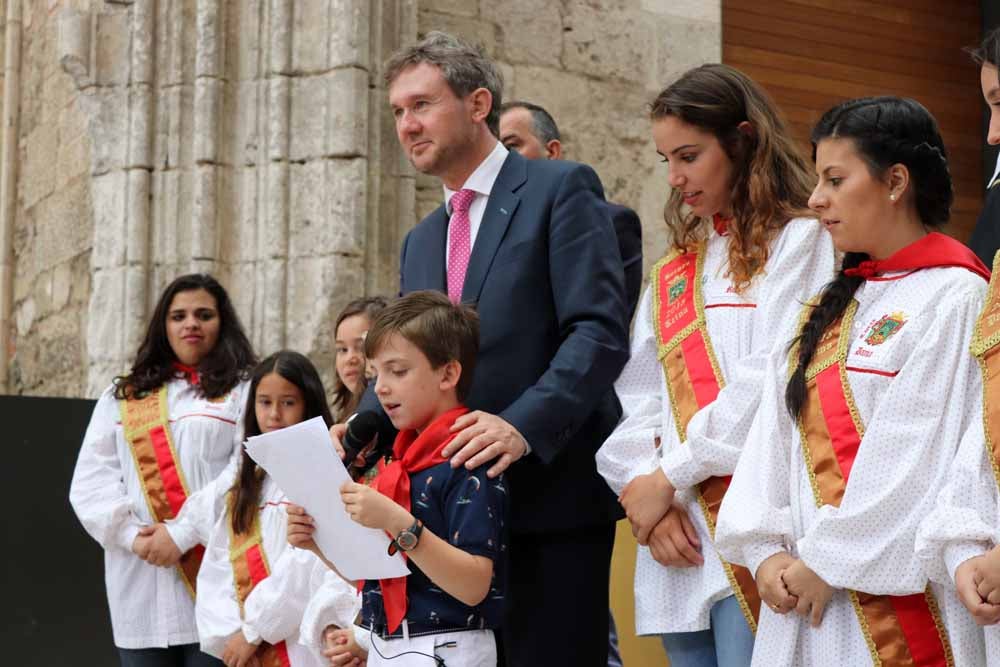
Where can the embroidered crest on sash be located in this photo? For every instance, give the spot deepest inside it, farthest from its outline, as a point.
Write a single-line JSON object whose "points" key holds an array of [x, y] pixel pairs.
{"points": [[676, 290], [886, 327], [694, 379], [900, 630]]}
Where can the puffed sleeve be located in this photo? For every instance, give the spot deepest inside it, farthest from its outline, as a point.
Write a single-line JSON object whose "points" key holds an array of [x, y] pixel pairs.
{"points": [[97, 492], [965, 521], [802, 264], [909, 443], [333, 602], [273, 610], [194, 523], [755, 520], [631, 449], [217, 611]]}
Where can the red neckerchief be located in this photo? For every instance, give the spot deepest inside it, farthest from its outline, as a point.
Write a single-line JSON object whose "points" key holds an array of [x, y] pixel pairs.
{"points": [[190, 372], [933, 250], [411, 453], [721, 224]]}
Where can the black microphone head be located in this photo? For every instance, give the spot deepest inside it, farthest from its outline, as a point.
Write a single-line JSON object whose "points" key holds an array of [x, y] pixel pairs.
{"points": [[364, 426]]}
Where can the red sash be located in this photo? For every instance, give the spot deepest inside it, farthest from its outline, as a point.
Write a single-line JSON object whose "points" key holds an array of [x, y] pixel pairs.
{"points": [[145, 422], [693, 381], [900, 630], [986, 349], [246, 554]]}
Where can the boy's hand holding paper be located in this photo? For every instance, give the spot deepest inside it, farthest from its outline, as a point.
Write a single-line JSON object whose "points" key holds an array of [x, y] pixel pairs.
{"points": [[308, 470]]}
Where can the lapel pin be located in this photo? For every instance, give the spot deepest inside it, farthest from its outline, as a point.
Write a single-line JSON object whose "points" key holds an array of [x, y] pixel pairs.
{"points": [[504, 211]]}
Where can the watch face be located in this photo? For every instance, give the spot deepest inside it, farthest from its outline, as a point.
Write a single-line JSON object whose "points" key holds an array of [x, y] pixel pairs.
{"points": [[406, 540]]}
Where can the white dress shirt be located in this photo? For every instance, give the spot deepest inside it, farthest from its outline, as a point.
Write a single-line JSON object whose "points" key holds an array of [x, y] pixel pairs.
{"points": [[151, 606]]}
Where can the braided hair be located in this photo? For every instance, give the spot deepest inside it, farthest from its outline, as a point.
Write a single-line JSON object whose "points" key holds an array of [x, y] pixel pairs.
{"points": [[886, 131]]}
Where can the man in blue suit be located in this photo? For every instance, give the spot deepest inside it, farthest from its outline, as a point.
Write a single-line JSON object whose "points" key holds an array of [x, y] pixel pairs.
{"points": [[532, 131], [531, 246]]}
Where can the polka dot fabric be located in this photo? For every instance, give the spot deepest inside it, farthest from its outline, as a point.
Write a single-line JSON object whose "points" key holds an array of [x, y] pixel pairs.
{"points": [[459, 242], [912, 379], [743, 329], [965, 521]]}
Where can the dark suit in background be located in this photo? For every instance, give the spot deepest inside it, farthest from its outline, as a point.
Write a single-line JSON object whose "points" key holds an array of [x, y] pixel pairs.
{"points": [[628, 229], [545, 276]]}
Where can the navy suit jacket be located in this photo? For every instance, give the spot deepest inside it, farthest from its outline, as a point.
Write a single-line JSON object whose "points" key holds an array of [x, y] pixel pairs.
{"points": [[545, 276], [629, 232]]}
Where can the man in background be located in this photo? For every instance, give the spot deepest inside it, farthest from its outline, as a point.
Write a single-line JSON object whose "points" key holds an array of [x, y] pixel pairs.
{"points": [[531, 131]]}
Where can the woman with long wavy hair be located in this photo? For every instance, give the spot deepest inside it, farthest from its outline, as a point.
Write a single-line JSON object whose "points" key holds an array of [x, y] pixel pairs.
{"points": [[861, 417], [159, 435], [745, 255]]}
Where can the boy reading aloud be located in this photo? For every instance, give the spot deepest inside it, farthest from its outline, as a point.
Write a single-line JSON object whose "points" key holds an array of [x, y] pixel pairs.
{"points": [[449, 523]]}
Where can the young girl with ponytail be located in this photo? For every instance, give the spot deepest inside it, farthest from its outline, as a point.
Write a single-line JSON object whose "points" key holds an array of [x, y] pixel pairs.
{"points": [[861, 418], [744, 259]]}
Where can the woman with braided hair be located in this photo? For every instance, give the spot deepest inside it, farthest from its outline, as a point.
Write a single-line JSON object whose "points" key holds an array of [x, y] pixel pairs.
{"points": [[861, 417]]}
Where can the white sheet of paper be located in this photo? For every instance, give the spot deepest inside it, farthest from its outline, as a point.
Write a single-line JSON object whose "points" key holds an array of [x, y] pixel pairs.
{"points": [[304, 464]]}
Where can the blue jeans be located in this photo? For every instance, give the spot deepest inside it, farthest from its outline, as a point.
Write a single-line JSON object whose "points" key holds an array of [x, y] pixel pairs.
{"points": [[728, 643], [183, 655]]}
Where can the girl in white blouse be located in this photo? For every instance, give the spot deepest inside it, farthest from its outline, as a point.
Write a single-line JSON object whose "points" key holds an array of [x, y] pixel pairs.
{"points": [[860, 420], [158, 438], [745, 258], [253, 588]]}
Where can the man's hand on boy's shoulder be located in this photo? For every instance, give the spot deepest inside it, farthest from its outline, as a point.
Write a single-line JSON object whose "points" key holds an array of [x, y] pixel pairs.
{"points": [[483, 437]]}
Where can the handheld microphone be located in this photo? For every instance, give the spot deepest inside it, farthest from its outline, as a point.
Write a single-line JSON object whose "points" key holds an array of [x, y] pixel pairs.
{"points": [[361, 430]]}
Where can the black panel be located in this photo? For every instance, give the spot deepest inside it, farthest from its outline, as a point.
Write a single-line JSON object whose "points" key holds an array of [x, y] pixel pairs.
{"points": [[55, 610]]}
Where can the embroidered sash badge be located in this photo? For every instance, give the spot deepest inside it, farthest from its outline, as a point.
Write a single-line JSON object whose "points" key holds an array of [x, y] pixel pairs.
{"points": [[676, 290], [884, 329]]}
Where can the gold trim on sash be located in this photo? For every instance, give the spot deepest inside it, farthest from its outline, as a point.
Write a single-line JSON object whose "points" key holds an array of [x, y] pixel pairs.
{"points": [[986, 349], [881, 617], [146, 426], [242, 548], [694, 379]]}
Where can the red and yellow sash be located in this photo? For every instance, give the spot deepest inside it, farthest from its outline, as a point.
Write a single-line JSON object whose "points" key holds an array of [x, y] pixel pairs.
{"points": [[246, 554], [693, 381], [986, 349], [145, 422], [900, 630]]}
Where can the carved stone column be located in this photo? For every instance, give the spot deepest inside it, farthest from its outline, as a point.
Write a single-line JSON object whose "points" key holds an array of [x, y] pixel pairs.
{"points": [[247, 138]]}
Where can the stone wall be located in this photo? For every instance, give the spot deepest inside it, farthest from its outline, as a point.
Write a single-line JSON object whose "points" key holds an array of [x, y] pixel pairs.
{"points": [[52, 221], [252, 139], [239, 137], [595, 65]]}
